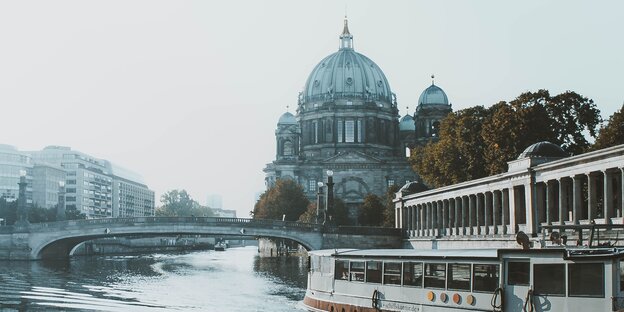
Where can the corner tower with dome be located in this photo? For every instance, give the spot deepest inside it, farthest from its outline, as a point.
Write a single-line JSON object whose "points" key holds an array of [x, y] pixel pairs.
{"points": [[346, 121]]}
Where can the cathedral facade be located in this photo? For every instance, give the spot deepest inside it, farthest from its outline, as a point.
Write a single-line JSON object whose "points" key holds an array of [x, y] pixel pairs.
{"points": [[347, 123]]}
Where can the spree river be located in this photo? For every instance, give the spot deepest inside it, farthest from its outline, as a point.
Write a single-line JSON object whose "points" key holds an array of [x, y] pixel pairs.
{"points": [[232, 280]]}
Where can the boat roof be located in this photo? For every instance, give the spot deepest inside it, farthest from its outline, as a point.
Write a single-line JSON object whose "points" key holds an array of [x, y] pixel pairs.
{"points": [[484, 253]]}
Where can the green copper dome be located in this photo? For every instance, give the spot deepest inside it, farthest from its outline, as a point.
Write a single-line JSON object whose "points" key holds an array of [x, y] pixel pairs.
{"points": [[346, 74], [432, 96]]}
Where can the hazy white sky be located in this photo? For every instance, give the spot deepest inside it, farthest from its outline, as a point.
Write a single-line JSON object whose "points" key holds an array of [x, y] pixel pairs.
{"points": [[188, 93]]}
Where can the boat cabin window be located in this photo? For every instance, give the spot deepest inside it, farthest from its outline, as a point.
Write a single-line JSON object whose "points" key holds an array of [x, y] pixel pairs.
{"points": [[586, 280], [357, 271], [435, 275], [373, 271], [549, 279], [518, 273], [459, 276], [413, 274], [342, 270], [392, 273], [485, 277]]}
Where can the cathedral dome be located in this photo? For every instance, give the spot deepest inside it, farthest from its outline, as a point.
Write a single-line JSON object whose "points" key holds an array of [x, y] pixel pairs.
{"points": [[407, 124], [432, 96], [347, 74], [287, 119], [543, 149]]}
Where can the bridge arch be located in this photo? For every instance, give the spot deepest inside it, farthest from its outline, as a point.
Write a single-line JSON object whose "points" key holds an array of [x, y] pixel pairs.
{"points": [[56, 240]]}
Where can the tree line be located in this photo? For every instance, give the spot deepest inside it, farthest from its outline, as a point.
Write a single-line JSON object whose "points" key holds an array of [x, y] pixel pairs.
{"points": [[477, 142]]}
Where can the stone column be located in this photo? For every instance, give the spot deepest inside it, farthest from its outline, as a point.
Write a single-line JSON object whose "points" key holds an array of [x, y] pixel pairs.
{"points": [[530, 209], [608, 196], [415, 219], [550, 202], [512, 210], [445, 216], [577, 198], [452, 219], [592, 200], [563, 200], [465, 215], [429, 218], [505, 213], [397, 218], [409, 219], [621, 193], [496, 211], [488, 212]]}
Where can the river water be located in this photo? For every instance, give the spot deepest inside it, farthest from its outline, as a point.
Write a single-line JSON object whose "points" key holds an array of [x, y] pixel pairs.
{"points": [[232, 280]]}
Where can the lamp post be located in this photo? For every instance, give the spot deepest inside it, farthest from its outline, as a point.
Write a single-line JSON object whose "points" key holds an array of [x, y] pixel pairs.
{"points": [[329, 207], [22, 208], [319, 203], [60, 206]]}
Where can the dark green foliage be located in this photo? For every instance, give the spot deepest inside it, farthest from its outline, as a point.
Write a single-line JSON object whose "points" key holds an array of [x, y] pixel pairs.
{"points": [[372, 211], [285, 199], [612, 133], [178, 203], [478, 142]]}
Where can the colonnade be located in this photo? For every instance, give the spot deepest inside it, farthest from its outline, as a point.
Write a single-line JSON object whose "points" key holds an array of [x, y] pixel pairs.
{"points": [[575, 190]]}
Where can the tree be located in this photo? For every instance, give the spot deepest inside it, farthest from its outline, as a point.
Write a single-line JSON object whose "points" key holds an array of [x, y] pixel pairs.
{"points": [[309, 216], [285, 199], [72, 213], [389, 210], [371, 213], [612, 133], [477, 142], [178, 203], [340, 213], [38, 214], [8, 211]]}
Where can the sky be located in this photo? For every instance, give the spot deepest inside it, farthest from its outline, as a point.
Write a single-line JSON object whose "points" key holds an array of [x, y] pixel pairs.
{"points": [[188, 93]]}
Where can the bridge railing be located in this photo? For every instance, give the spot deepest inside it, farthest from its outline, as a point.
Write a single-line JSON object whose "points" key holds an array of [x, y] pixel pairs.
{"points": [[216, 221], [212, 221]]}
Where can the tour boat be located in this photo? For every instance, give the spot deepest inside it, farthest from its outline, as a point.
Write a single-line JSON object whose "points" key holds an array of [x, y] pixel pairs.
{"points": [[557, 278], [220, 246]]}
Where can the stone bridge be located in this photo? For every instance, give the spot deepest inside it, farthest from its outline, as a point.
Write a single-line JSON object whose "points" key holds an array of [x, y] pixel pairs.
{"points": [[56, 240]]}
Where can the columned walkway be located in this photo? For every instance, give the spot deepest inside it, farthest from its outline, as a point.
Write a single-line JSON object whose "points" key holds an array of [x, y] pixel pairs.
{"points": [[535, 191]]}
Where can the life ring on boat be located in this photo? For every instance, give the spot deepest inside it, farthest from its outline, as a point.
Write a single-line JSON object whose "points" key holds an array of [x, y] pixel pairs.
{"points": [[375, 300]]}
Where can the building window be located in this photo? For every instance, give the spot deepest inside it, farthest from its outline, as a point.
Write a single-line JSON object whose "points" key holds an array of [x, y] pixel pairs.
{"points": [[359, 131], [390, 182], [312, 185], [349, 131], [586, 280], [549, 279], [315, 125], [288, 148], [339, 131]]}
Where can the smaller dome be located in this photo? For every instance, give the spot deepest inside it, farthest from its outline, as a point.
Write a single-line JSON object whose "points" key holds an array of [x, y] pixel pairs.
{"points": [[432, 96], [287, 119], [543, 149], [407, 124], [413, 187]]}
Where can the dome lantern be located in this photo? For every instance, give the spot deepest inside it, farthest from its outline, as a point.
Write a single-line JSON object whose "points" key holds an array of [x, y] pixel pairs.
{"points": [[346, 38]]}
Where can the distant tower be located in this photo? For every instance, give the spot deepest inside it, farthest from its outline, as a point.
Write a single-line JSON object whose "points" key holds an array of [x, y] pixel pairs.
{"points": [[433, 106]]}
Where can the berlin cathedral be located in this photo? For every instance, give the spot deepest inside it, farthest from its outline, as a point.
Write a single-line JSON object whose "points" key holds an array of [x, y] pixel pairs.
{"points": [[347, 124]]}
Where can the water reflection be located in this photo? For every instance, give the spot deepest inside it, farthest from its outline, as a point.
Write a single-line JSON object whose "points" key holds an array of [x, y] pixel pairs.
{"points": [[198, 281]]}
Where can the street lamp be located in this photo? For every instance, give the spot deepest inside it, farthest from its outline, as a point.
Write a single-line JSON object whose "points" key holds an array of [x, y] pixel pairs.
{"points": [[22, 208], [319, 203], [329, 207]]}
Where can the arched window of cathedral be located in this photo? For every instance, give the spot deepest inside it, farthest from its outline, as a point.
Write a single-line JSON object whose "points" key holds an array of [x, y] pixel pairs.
{"points": [[288, 149]]}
